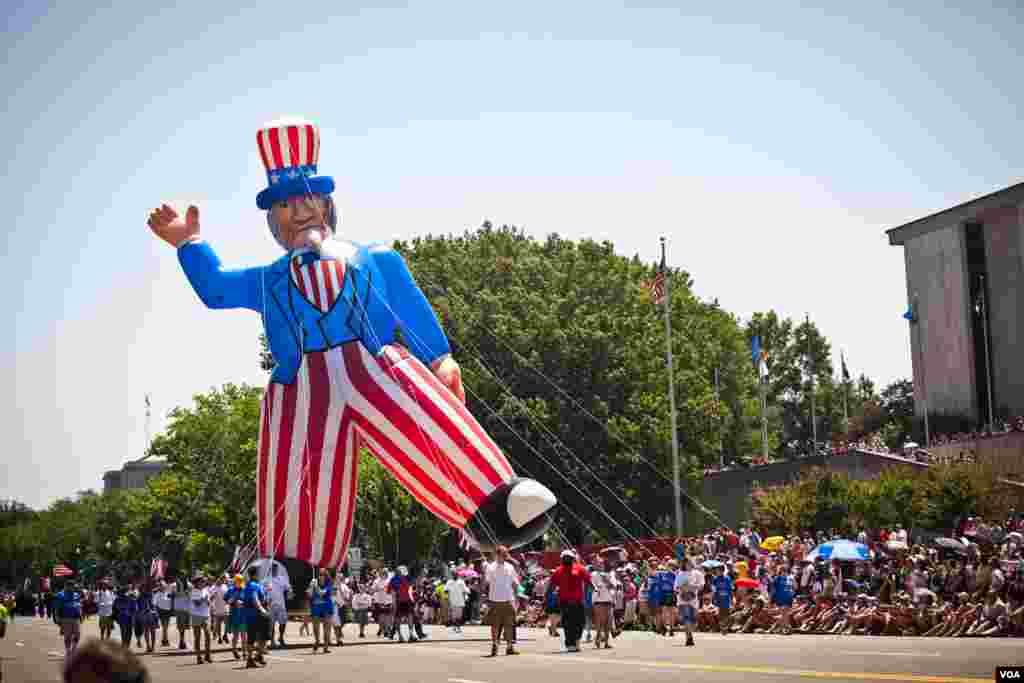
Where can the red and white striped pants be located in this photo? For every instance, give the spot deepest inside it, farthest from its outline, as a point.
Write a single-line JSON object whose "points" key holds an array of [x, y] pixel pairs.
{"points": [[344, 399]]}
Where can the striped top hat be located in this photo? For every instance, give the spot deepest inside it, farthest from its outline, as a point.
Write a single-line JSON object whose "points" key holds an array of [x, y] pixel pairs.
{"points": [[290, 150]]}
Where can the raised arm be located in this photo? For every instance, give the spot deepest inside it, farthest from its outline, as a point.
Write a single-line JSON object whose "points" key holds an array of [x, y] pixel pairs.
{"points": [[216, 286]]}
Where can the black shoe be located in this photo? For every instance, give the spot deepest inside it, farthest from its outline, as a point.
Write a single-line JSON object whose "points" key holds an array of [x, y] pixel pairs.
{"points": [[689, 642]]}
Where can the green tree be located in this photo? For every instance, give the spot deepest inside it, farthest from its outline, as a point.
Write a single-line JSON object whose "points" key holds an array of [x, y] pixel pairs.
{"points": [[551, 332]]}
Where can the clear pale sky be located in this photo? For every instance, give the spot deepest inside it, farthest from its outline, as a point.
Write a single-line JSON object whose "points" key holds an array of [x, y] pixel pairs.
{"points": [[773, 143]]}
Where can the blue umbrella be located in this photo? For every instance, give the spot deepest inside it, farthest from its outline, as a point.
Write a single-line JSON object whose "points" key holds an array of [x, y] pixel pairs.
{"points": [[711, 564], [840, 550]]}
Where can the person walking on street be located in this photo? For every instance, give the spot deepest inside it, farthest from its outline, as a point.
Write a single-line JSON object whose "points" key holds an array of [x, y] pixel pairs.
{"points": [[571, 580], [457, 593], [165, 608], [180, 600], [219, 610], [237, 620], [200, 614], [257, 626], [124, 611], [605, 586], [400, 587], [105, 609], [722, 586], [688, 585], [321, 608], [342, 602], [361, 603], [502, 580], [277, 589]]}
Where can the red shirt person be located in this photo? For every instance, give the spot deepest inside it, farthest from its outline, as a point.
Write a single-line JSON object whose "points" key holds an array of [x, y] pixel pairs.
{"points": [[571, 580]]}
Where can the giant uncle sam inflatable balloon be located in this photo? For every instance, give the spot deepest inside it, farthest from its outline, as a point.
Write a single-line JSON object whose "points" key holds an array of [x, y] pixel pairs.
{"points": [[330, 309]]}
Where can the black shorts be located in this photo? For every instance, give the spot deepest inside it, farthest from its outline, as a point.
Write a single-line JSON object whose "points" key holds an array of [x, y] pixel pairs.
{"points": [[668, 601], [404, 609], [259, 628]]}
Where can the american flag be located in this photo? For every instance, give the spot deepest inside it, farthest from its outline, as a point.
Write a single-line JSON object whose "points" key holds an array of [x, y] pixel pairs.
{"points": [[657, 286]]}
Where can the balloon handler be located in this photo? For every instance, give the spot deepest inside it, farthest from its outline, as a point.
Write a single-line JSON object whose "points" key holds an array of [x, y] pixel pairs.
{"points": [[330, 309]]}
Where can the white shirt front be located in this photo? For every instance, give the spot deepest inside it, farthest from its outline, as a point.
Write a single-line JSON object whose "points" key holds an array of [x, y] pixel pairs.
{"points": [[181, 601], [380, 592], [501, 582], [605, 584], [362, 601], [277, 590], [456, 592], [105, 603], [689, 582], [342, 595], [218, 606], [200, 602], [162, 600]]}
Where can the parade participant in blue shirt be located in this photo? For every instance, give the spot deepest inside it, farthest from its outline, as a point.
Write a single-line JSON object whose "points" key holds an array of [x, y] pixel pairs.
{"points": [[68, 613], [237, 622], [654, 600], [722, 586], [257, 618], [783, 590], [666, 579], [321, 607], [125, 607]]}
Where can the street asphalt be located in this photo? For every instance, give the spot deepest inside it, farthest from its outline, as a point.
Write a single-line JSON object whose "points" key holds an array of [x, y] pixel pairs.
{"points": [[33, 652]]}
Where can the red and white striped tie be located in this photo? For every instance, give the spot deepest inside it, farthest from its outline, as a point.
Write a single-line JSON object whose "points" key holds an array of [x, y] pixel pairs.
{"points": [[320, 282]]}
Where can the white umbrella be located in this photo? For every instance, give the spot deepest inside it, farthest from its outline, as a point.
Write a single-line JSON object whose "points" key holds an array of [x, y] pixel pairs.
{"points": [[263, 564]]}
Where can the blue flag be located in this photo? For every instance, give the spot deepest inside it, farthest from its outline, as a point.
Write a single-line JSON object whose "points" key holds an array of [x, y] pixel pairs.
{"points": [[755, 349], [909, 315]]}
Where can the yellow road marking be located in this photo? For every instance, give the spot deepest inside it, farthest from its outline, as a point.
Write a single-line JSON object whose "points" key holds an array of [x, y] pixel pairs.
{"points": [[722, 668]]}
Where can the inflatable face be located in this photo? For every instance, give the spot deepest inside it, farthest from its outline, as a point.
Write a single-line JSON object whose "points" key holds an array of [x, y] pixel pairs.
{"points": [[303, 220]]}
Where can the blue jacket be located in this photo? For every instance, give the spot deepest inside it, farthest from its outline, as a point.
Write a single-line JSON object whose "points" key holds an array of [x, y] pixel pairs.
{"points": [[379, 295]]}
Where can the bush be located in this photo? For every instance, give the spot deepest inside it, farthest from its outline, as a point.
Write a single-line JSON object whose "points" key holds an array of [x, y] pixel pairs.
{"points": [[931, 498]]}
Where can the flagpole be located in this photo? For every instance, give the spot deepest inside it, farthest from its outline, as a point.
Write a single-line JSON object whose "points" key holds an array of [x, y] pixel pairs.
{"points": [[988, 360], [763, 382], [810, 372], [718, 409], [846, 412], [672, 392]]}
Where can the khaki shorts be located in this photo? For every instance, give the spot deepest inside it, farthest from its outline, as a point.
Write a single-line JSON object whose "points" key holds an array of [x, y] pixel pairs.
{"points": [[502, 614]]}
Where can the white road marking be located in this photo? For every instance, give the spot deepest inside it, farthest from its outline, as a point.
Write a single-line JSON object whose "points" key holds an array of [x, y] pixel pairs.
{"points": [[59, 655], [890, 654], [462, 680], [284, 659]]}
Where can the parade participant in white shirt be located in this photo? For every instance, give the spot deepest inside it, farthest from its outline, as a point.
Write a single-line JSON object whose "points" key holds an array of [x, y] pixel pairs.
{"points": [[362, 601], [199, 608], [182, 610], [383, 603], [278, 590], [689, 583], [219, 609], [502, 581], [457, 592], [342, 602], [165, 608], [105, 610], [605, 585]]}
